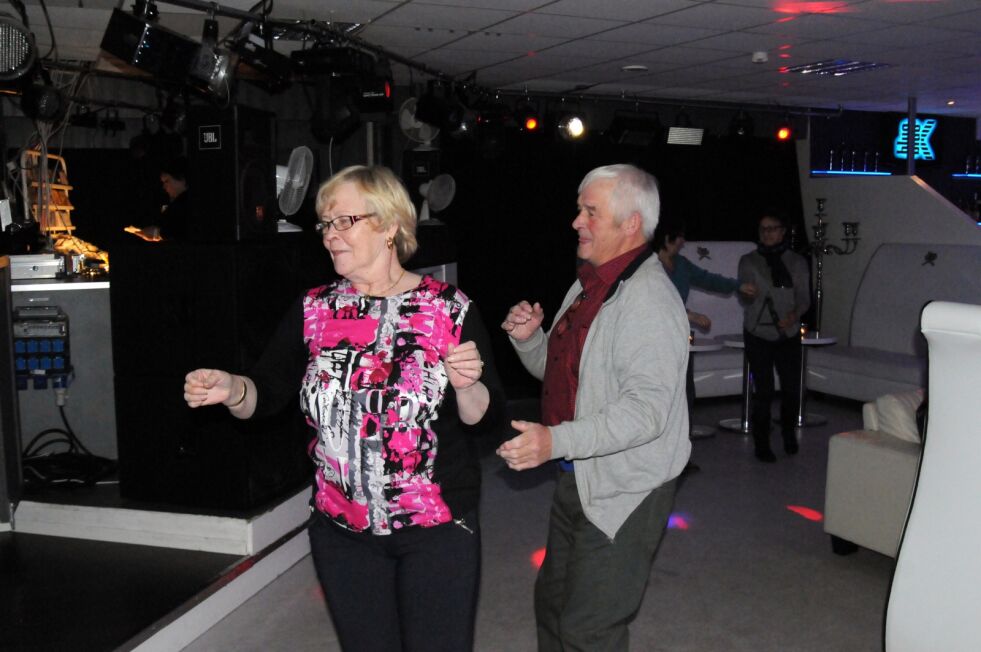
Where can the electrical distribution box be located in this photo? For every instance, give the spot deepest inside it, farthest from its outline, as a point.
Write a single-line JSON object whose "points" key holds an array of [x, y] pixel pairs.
{"points": [[41, 347]]}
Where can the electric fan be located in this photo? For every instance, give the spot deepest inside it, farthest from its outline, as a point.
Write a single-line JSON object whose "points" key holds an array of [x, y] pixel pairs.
{"points": [[437, 194], [291, 185], [414, 129]]}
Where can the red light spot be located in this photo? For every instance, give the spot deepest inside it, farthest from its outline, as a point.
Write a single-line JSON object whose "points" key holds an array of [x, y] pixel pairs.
{"points": [[538, 557], [806, 512], [531, 124], [784, 133], [786, 19], [812, 7], [677, 522], [785, 46], [532, 53], [388, 90], [783, 69], [784, 55]]}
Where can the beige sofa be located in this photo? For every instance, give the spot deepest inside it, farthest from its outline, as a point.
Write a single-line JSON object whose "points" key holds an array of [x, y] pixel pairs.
{"points": [[871, 475]]}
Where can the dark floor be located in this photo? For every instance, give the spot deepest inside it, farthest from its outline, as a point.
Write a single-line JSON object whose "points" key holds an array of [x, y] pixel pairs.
{"points": [[72, 594]]}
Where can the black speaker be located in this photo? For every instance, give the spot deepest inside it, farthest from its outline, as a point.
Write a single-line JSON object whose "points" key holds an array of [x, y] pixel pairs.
{"points": [[180, 306], [204, 458], [231, 174]]}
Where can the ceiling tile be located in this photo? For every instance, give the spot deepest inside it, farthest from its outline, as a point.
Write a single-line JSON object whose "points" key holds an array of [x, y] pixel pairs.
{"points": [[628, 10], [565, 27], [716, 16], [436, 16], [653, 34]]}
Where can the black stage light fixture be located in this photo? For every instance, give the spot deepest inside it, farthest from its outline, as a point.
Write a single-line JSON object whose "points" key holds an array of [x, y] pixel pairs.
{"points": [[635, 129], [335, 113], [44, 103], [273, 71], [367, 81], [146, 9], [211, 70], [18, 52], [149, 47], [439, 107]]}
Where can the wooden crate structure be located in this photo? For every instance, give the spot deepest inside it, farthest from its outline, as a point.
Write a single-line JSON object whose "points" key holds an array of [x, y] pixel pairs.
{"points": [[45, 186]]}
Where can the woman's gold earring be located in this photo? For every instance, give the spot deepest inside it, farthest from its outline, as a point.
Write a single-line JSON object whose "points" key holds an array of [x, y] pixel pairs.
{"points": [[390, 242]]}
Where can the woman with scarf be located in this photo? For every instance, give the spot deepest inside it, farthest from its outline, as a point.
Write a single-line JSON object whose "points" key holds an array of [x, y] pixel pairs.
{"points": [[771, 325]]}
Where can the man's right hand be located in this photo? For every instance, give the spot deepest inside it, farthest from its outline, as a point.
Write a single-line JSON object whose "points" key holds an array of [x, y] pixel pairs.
{"points": [[523, 320]]}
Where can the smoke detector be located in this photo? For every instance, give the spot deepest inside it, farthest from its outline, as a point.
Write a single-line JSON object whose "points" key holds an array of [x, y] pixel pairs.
{"points": [[760, 56]]}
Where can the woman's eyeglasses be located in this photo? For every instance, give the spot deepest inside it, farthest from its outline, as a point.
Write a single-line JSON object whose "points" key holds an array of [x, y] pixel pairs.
{"points": [[340, 223], [566, 320]]}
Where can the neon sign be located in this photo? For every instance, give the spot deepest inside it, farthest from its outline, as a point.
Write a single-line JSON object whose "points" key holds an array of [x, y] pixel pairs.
{"points": [[923, 149]]}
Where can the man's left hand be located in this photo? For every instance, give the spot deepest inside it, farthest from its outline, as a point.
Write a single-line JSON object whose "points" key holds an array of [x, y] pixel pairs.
{"points": [[531, 448]]}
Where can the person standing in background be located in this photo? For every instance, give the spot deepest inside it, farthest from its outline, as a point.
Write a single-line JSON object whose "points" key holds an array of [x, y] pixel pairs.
{"points": [[771, 325], [669, 238]]}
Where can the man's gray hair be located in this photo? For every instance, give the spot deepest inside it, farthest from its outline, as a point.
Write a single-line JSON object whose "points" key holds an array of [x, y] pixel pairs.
{"points": [[635, 191]]}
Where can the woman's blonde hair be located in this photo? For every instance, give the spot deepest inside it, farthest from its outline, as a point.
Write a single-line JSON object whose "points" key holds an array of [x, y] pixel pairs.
{"points": [[385, 196]]}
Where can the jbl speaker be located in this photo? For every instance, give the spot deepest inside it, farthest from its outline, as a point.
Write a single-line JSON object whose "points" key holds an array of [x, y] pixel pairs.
{"points": [[231, 174]]}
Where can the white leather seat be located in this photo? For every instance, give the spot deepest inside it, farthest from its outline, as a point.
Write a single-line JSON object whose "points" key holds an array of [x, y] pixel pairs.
{"points": [[935, 598]]}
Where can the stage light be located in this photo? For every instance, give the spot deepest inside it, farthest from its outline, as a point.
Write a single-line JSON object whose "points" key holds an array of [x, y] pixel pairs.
{"points": [[211, 69], [146, 9], [742, 125], [439, 108], [572, 126], [273, 71], [785, 131], [335, 112], [527, 117], [43, 102], [17, 48]]}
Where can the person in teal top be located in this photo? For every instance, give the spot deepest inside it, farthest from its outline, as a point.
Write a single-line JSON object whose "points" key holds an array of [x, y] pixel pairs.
{"points": [[669, 238]]}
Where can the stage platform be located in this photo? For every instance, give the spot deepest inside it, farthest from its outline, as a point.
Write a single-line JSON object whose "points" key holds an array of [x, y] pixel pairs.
{"points": [[84, 569]]}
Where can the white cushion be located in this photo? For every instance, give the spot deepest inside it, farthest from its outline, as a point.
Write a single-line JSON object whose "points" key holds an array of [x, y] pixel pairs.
{"points": [[897, 414]]}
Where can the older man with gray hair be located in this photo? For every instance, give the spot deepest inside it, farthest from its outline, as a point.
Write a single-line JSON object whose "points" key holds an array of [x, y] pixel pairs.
{"points": [[613, 413]]}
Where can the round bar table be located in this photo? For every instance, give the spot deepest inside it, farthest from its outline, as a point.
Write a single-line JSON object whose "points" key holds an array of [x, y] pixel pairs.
{"points": [[739, 424], [804, 418], [700, 345]]}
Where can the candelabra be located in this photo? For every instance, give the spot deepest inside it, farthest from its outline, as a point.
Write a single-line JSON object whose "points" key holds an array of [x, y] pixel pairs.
{"points": [[820, 247]]}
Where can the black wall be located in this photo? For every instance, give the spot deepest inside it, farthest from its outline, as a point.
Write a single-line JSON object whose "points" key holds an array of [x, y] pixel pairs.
{"points": [[513, 213]]}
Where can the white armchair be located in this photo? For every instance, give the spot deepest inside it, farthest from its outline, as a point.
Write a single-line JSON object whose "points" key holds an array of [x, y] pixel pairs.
{"points": [[935, 598], [871, 473]]}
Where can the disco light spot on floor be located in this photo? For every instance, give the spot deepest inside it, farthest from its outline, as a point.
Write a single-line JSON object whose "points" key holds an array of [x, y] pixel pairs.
{"points": [[538, 557], [806, 512], [677, 522]]}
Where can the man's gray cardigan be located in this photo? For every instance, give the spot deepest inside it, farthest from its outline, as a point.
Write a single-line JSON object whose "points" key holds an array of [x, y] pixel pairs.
{"points": [[630, 433]]}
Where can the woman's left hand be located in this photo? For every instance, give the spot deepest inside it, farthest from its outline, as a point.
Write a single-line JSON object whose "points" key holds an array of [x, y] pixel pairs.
{"points": [[463, 365]]}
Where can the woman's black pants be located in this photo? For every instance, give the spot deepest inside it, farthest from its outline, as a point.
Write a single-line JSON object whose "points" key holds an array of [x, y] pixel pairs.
{"points": [[412, 590]]}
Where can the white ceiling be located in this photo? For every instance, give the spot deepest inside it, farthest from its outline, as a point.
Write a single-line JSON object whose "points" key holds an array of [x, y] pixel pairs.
{"points": [[693, 49]]}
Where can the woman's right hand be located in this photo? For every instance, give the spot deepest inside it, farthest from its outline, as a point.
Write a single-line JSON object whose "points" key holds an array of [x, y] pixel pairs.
{"points": [[207, 387], [523, 320]]}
